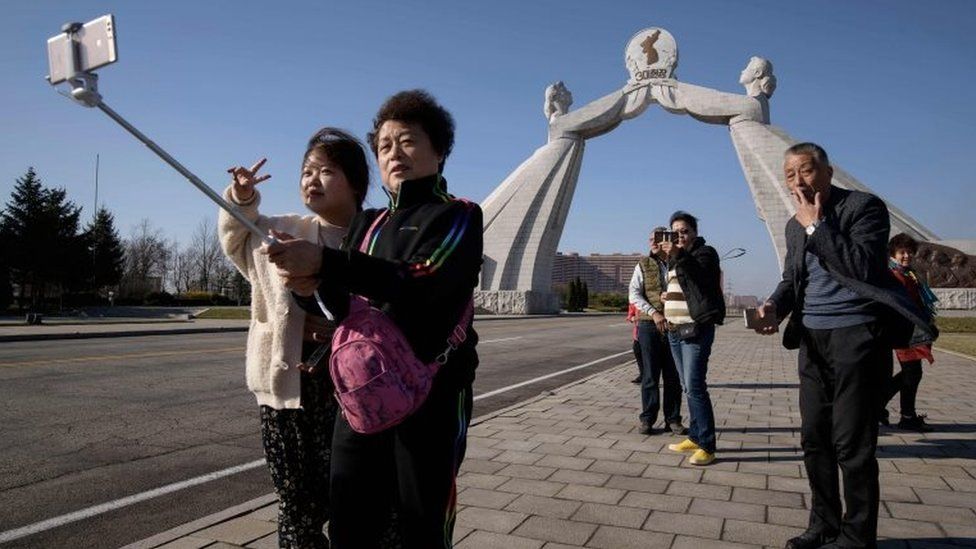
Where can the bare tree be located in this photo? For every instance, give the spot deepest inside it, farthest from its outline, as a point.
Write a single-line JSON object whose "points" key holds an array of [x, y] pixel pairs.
{"points": [[208, 258], [146, 257], [182, 267], [223, 279]]}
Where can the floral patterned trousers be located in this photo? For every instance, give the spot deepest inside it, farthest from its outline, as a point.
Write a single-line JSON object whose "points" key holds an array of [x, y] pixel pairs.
{"points": [[298, 449]]}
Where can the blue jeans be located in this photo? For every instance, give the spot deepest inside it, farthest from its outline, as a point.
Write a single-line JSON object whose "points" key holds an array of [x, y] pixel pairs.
{"points": [[691, 359]]}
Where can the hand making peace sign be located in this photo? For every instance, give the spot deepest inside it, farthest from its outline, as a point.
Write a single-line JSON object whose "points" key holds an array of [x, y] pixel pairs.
{"points": [[245, 179]]}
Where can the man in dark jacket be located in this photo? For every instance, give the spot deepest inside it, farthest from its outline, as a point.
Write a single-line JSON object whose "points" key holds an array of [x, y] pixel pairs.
{"points": [[846, 312], [693, 305]]}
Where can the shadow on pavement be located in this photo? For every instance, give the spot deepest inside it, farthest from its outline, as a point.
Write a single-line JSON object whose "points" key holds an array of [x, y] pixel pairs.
{"points": [[754, 386], [925, 542]]}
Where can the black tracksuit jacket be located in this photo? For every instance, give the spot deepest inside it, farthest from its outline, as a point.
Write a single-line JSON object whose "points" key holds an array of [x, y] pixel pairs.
{"points": [[421, 270]]}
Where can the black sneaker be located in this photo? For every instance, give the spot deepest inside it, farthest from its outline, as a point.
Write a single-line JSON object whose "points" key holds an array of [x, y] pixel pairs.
{"points": [[916, 423], [809, 540], [883, 418], [675, 428], [636, 380], [646, 428]]}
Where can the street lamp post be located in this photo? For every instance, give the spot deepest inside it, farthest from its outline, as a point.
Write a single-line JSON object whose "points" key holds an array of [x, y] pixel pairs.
{"points": [[727, 285], [734, 253]]}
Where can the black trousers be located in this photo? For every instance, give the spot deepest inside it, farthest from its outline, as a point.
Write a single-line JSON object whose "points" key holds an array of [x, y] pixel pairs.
{"points": [[842, 375], [411, 468], [638, 358], [906, 382], [657, 362]]}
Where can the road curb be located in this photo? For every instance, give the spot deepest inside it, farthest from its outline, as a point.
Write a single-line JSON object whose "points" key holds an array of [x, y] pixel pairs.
{"points": [[201, 523], [128, 333], [189, 528]]}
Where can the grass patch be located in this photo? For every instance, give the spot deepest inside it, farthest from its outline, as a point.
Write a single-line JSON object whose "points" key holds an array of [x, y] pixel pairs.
{"points": [[960, 343], [226, 313], [956, 324]]}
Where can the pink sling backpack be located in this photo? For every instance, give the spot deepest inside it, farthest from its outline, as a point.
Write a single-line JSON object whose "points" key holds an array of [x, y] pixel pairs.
{"points": [[379, 381]]}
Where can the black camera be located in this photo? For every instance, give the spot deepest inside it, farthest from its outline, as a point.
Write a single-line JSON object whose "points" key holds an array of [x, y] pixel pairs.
{"points": [[665, 236]]}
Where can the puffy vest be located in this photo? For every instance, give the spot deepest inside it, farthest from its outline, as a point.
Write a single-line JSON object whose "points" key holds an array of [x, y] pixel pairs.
{"points": [[650, 269]]}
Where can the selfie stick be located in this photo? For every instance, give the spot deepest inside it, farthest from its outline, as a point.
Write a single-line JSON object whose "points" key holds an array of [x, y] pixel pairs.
{"points": [[84, 91]]}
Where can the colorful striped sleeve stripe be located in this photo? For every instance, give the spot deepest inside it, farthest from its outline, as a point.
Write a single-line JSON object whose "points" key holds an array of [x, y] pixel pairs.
{"points": [[447, 246]]}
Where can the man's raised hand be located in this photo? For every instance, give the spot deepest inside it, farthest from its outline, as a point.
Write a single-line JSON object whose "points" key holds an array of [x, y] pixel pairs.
{"points": [[807, 212]]}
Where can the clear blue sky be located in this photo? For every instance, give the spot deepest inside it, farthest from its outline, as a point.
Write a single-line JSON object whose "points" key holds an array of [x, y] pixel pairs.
{"points": [[885, 86]]}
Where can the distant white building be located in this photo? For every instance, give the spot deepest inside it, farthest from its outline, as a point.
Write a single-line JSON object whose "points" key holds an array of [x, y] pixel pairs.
{"points": [[601, 272]]}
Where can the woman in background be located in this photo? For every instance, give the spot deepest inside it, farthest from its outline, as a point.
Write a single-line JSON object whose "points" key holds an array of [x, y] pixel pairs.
{"points": [[902, 249]]}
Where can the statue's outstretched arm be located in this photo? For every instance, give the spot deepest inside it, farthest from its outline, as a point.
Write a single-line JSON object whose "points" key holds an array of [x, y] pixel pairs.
{"points": [[606, 113], [706, 104]]}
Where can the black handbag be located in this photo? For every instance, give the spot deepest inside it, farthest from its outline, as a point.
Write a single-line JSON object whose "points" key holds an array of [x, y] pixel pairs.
{"points": [[686, 331]]}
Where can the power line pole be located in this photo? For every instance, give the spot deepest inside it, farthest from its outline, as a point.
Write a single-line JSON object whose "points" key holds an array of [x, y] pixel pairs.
{"points": [[95, 212], [94, 279]]}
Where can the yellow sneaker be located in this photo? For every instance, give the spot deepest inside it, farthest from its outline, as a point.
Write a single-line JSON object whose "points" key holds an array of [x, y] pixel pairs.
{"points": [[701, 457], [685, 445]]}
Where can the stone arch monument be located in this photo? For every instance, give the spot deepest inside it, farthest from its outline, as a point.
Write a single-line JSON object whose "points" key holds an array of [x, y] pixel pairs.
{"points": [[525, 215]]}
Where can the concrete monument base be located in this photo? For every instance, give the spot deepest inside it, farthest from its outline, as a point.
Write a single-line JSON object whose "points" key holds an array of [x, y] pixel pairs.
{"points": [[517, 302], [956, 298]]}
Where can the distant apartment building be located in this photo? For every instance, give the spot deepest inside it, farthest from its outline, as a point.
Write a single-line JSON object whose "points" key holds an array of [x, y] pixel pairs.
{"points": [[741, 301], [611, 273], [601, 272]]}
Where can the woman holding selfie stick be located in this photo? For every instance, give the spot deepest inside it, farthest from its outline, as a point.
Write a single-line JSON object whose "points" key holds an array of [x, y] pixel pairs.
{"points": [[420, 266], [693, 305], [296, 404]]}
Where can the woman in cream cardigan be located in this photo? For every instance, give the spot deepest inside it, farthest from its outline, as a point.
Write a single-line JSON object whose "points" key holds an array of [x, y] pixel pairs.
{"points": [[297, 409]]}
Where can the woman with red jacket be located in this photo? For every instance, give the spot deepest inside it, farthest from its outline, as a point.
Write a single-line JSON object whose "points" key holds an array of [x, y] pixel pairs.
{"points": [[902, 249]]}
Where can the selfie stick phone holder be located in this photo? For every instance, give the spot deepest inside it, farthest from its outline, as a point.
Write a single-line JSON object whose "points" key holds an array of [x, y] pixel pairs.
{"points": [[84, 91]]}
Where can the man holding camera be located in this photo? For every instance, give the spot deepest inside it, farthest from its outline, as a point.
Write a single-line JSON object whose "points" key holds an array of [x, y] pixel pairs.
{"points": [[646, 286], [694, 306], [846, 313]]}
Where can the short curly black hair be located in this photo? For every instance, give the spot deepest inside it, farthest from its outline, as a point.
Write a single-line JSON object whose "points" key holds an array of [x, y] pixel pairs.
{"points": [[417, 107], [902, 241], [689, 219]]}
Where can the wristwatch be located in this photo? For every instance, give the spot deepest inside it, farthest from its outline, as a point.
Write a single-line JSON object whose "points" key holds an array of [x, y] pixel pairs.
{"points": [[813, 227]]}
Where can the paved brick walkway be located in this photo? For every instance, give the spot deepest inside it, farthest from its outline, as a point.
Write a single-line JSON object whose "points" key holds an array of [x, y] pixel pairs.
{"points": [[568, 469]]}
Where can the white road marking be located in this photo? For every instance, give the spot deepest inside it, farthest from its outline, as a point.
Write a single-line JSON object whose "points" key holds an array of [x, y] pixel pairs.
{"points": [[89, 512], [499, 340], [547, 376], [123, 502], [619, 325]]}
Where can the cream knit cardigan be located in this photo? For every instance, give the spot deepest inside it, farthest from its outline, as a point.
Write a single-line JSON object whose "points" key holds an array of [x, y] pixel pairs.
{"points": [[274, 340]]}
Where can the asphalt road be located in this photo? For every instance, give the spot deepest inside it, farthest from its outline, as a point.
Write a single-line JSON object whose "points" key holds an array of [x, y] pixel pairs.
{"points": [[86, 422]]}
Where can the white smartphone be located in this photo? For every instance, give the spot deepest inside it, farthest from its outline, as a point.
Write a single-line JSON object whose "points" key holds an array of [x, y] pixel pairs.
{"points": [[96, 48]]}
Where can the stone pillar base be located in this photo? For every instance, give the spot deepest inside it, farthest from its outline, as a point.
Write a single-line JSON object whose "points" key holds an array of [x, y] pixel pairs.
{"points": [[517, 302], [956, 298]]}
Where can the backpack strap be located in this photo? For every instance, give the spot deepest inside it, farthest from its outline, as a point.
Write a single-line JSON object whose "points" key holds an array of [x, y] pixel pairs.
{"points": [[363, 247], [459, 334]]}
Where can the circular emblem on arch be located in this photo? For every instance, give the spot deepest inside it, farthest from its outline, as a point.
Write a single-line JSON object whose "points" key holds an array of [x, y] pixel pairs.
{"points": [[651, 53]]}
